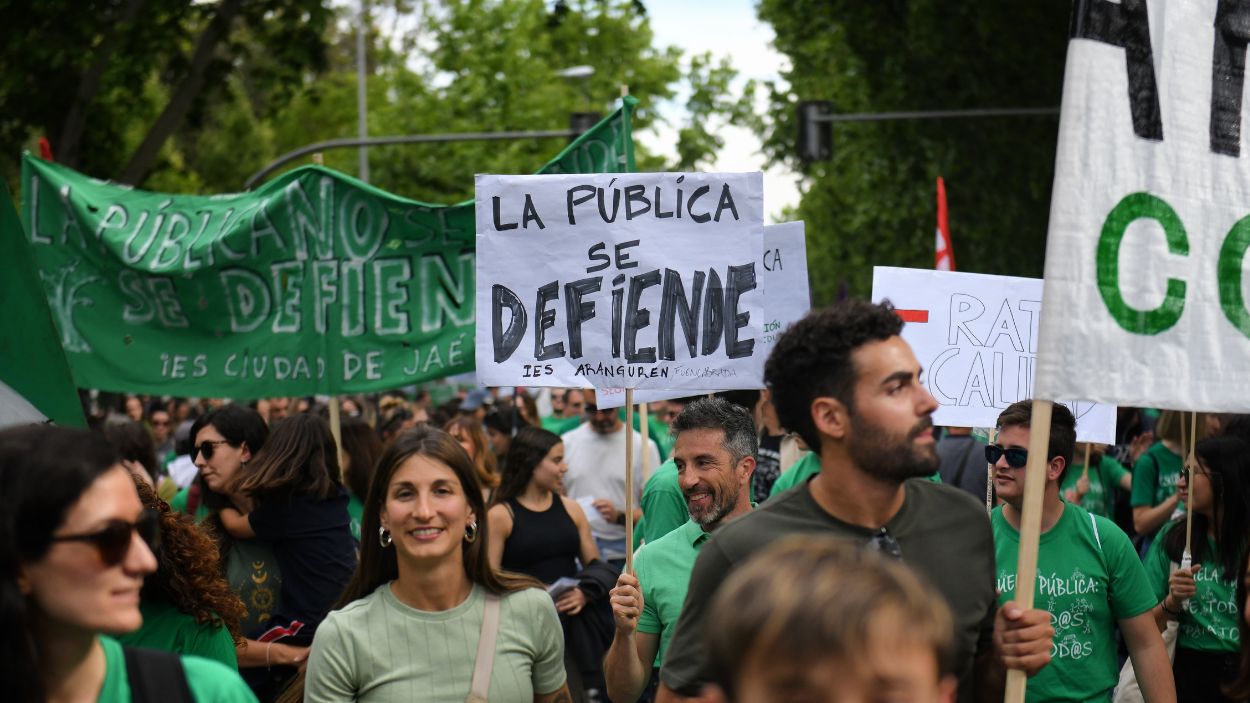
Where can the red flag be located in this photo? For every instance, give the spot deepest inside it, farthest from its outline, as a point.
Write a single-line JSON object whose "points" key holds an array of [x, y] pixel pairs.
{"points": [[944, 258], [45, 149]]}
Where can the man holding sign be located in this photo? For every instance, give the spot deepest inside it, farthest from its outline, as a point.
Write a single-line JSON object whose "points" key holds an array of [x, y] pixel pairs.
{"points": [[1089, 576], [846, 381]]}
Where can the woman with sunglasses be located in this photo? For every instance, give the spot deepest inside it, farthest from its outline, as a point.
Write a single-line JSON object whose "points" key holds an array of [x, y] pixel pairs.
{"points": [[1203, 597], [224, 442], [74, 549], [426, 617]]}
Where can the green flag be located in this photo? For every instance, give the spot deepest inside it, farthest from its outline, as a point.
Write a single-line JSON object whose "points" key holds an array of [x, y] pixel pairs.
{"points": [[31, 360], [314, 283]]}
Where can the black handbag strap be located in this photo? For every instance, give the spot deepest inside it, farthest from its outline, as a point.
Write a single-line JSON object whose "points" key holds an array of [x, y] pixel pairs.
{"points": [[156, 676]]}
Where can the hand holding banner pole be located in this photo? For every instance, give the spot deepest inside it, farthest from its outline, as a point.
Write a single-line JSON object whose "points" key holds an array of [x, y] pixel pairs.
{"points": [[1030, 529], [629, 480]]}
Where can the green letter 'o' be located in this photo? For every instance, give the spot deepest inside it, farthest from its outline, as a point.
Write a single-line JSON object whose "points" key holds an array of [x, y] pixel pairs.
{"points": [[1133, 207]]}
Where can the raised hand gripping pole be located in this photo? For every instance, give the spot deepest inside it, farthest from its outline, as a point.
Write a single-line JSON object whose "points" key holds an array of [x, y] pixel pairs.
{"points": [[629, 480], [1030, 529]]}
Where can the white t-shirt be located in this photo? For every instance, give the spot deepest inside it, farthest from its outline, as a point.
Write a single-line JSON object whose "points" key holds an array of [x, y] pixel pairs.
{"points": [[597, 470]]}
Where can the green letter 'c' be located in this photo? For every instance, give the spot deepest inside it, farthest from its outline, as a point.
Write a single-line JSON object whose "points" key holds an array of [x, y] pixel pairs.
{"points": [[1232, 253], [1133, 207]]}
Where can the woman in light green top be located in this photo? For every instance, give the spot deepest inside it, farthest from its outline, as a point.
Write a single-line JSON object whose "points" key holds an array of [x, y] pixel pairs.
{"points": [[75, 546], [409, 623]]}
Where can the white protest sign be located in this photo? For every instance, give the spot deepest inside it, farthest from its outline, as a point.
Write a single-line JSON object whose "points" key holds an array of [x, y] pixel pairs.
{"points": [[637, 280], [1145, 260], [976, 338], [787, 298]]}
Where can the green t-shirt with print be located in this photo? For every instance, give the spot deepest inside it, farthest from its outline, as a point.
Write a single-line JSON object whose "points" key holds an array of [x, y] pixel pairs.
{"points": [[209, 681], [1209, 623], [807, 466], [1104, 484], [663, 568], [1155, 475], [168, 628], [1088, 578]]}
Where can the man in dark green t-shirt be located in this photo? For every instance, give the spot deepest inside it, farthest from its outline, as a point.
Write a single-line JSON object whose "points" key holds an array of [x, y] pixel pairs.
{"points": [[1088, 575], [1096, 491], [846, 381]]}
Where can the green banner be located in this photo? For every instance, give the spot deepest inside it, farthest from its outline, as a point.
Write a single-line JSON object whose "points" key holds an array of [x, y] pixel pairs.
{"points": [[31, 360], [313, 283]]}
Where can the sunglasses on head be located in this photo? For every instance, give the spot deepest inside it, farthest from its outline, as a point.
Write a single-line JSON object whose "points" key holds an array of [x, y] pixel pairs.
{"points": [[113, 542], [1016, 457], [206, 448]]}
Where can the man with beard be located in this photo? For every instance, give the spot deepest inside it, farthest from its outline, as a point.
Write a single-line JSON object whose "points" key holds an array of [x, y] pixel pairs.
{"points": [[714, 452], [846, 381], [1089, 576], [595, 453]]}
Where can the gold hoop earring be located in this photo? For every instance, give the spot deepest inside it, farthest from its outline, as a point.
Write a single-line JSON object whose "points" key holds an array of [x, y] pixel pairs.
{"points": [[384, 537], [470, 532]]}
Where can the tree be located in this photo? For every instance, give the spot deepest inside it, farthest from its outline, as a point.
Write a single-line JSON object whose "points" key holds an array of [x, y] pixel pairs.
{"points": [[872, 204]]}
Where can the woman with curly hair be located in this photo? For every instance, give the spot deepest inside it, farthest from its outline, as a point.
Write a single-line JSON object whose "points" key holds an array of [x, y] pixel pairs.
{"points": [[187, 605], [469, 434]]}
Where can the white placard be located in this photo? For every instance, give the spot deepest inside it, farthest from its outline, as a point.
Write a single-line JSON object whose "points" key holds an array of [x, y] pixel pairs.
{"points": [[640, 280], [1145, 261], [787, 298], [975, 336]]}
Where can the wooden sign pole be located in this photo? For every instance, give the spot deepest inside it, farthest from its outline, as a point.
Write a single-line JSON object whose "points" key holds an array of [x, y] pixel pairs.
{"points": [[336, 426], [629, 480], [1191, 460], [989, 476], [1030, 529], [1085, 475]]}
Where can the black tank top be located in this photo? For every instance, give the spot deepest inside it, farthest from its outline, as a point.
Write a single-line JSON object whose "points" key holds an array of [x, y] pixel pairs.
{"points": [[543, 545]]}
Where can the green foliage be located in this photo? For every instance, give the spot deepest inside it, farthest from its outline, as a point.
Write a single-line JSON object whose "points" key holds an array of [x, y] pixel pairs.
{"points": [[285, 77], [873, 203]]}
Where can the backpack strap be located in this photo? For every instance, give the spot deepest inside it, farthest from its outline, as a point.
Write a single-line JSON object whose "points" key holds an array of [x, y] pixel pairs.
{"points": [[1097, 537], [480, 688], [156, 676]]}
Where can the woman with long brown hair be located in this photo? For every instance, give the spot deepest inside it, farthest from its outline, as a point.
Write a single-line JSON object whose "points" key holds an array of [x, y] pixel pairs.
{"points": [[187, 605], [425, 593]]}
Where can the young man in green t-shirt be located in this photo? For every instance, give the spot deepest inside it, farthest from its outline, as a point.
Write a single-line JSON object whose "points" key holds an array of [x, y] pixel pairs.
{"points": [[1088, 575], [1097, 489], [714, 453]]}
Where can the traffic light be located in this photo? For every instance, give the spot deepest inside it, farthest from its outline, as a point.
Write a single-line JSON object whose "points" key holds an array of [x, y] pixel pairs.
{"points": [[815, 130]]}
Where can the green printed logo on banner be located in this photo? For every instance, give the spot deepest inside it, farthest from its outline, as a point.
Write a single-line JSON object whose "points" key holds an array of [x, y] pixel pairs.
{"points": [[1133, 207]]}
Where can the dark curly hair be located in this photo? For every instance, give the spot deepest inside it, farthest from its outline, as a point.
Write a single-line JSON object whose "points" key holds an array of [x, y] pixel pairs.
{"points": [[188, 575], [812, 359]]}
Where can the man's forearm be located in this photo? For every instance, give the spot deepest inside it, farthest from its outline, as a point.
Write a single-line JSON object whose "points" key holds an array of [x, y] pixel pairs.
{"points": [[1147, 520], [624, 673]]}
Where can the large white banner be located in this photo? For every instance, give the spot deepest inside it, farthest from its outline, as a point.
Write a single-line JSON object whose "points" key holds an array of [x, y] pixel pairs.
{"points": [[787, 297], [976, 337], [1145, 261], [639, 280]]}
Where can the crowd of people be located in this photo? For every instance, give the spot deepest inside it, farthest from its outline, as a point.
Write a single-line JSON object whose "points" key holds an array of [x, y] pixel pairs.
{"points": [[819, 540]]}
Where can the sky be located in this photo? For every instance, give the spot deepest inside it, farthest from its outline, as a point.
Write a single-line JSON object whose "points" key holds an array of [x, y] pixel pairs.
{"points": [[725, 28]]}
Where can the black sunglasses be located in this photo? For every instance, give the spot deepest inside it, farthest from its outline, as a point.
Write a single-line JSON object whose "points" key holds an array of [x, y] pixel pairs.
{"points": [[206, 448], [885, 543], [113, 542], [1016, 457]]}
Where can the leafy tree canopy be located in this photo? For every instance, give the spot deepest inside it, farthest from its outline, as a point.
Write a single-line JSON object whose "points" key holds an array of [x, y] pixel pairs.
{"points": [[873, 203]]}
